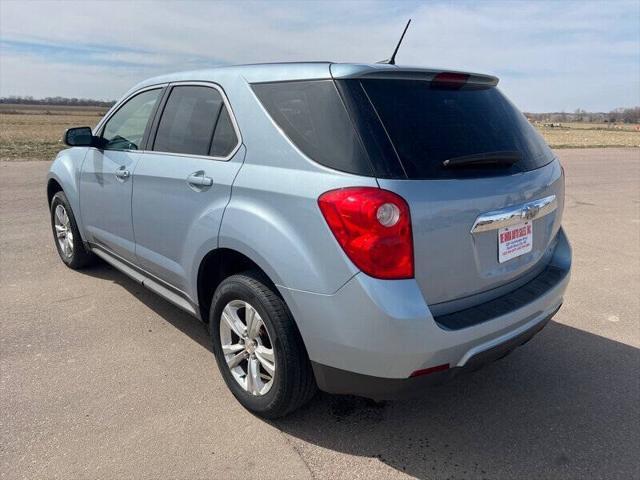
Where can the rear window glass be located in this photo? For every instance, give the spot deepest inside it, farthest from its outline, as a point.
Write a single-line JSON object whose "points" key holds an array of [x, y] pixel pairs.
{"points": [[428, 125], [312, 115], [224, 137], [188, 120], [195, 121]]}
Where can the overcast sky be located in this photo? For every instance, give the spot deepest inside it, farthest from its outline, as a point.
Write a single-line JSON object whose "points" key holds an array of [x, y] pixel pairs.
{"points": [[549, 55]]}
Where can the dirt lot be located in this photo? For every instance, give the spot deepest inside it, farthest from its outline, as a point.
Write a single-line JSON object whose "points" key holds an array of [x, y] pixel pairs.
{"points": [[100, 378], [33, 132]]}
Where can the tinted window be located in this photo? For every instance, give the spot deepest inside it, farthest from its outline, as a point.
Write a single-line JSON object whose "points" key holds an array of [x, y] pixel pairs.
{"points": [[314, 118], [188, 120], [125, 129], [224, 137], [428, 124]]}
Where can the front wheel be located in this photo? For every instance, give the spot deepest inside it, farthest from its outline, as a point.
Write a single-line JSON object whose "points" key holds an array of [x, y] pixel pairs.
{"points": [[258, 348], [66, 234]]}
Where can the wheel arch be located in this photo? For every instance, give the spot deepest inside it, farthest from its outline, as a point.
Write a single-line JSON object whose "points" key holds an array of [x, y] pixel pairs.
{"points": [[217, 265], [53, 187]]}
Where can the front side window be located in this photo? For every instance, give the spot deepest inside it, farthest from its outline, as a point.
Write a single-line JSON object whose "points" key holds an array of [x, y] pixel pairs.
{"points": [[125, 129], [195, 121]]}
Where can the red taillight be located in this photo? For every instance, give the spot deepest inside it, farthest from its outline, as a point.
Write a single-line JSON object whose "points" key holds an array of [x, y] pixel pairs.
{"points": [[373, 227]]}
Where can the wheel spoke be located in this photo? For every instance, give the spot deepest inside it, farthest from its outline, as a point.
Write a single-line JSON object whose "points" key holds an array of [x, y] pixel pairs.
{"points": [[266, 359], [266, 353], [253, 321], [254, 382], [60, 214], [234, 348], [230, 316], [234, 361]]}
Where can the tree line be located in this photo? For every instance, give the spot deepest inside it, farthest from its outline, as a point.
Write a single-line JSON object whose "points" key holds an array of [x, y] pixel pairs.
{"points": [[64, 101], [618, 115]]}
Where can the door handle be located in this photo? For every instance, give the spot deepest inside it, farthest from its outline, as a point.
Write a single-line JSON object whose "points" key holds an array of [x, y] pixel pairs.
{"points": [[199, 180], [122, 172]]}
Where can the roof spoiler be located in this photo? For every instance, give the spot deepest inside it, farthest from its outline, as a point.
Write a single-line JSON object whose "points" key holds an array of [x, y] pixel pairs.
{"points": [[408, 73]]}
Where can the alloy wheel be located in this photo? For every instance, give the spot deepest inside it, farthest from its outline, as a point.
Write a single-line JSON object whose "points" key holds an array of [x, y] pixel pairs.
{"points": [[247, 347], [64, 234]]}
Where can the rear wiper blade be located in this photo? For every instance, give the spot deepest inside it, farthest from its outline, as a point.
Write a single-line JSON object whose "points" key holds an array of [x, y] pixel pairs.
{"points": [[502, 158]]}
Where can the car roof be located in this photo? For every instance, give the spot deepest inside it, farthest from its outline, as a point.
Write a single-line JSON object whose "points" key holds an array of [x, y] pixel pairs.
{"points": [[290, 71]]}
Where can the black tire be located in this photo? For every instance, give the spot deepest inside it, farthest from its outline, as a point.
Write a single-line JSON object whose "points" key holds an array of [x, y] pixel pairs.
{"points": [[293, 383], [79, 257]]}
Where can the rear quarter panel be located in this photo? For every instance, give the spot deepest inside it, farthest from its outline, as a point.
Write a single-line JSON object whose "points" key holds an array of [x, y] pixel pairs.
{"points": [[273, 218], [273, 215]]}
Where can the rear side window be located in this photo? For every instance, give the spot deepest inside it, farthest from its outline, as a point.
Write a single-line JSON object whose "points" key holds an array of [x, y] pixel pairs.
{"points": [[312, 115], [195, 121], [428, 124], [224, 137]]}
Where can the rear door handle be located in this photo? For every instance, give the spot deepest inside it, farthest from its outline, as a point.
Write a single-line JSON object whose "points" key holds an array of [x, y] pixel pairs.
{"points": [[199, 180]]}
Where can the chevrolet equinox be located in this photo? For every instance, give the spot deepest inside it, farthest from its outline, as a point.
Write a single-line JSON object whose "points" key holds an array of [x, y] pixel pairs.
{"points": [[362, 229]]}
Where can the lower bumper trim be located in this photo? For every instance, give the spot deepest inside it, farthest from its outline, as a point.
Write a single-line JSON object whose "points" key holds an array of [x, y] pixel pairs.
{"points": [[541, 284], [342, 382]]}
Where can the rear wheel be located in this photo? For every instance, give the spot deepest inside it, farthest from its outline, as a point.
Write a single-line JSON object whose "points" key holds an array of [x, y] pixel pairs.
{"points": [[258, 348], [66, 234]]}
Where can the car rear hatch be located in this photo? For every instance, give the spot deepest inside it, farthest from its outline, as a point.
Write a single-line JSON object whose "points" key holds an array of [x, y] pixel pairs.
{"points": [[473, 171], [452, 259]]}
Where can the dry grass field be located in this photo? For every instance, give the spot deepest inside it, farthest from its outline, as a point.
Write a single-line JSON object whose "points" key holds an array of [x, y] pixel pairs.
{"points": [[33, 132], [591, 135]]}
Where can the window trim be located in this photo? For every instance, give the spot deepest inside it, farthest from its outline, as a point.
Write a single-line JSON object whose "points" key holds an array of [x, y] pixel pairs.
{"points": [[99, 130], [160, 112]]}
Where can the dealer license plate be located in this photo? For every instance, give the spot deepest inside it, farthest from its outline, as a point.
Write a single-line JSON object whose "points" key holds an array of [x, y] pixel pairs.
{"points": [[514, 241]]}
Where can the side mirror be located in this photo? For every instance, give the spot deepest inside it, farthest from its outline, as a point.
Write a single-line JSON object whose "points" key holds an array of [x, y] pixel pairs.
{"points": [[79, 137]]}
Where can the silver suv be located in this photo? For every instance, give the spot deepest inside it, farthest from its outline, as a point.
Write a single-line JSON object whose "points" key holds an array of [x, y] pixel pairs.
{"points": [[362, 229]]}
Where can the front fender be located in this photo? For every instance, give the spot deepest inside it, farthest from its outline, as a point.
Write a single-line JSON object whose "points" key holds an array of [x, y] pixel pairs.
{"points": [[65, 170]]}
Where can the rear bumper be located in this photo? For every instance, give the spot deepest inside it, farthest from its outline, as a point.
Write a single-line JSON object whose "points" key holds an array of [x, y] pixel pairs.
{"points": [[337, 381], [385, 329]]}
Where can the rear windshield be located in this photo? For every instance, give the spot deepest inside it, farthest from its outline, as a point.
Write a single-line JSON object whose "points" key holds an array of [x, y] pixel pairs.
{"points": [[428, 124]]}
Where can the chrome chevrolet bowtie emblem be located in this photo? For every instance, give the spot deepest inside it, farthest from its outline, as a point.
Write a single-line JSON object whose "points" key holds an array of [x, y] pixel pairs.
{"points": [[529, 212]]}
